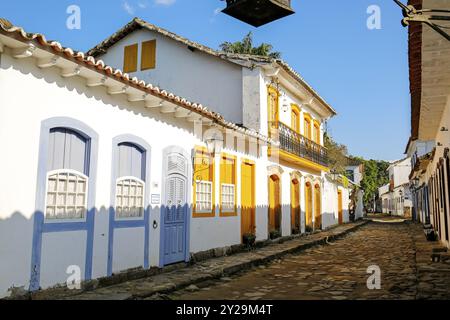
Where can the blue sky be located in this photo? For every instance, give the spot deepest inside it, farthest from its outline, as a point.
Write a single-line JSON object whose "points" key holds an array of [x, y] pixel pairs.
{"points": [[362, 73]]}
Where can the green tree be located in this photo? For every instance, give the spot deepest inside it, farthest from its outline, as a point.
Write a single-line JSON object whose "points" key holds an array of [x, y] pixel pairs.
{"points": [[246, 47], [337, 155], [375, 176]]}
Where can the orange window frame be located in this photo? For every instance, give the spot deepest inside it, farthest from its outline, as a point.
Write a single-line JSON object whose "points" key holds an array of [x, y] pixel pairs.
{"points": [[200, 170], [272, 104], [307, 126], [317, 132], [295, 118]]}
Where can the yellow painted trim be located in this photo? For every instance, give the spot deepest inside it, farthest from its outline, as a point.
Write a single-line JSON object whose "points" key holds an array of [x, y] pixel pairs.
{"points": [[234, 159], [317, 132], [306, 115], [293, 159], [307, 118], [204, 151], [295, 109], [271, 90]]}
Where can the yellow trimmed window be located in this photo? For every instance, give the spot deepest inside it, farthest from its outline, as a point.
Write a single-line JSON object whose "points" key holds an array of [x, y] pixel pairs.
{"points": [[295, 118], [130, 58], [272, 101], [203, 184], [307, 126], [228, 185], [148, 58], [316, 132]]}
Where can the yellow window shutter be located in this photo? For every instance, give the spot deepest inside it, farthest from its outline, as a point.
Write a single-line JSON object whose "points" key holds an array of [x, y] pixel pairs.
{"points": [[148, 60], [130, 58]]}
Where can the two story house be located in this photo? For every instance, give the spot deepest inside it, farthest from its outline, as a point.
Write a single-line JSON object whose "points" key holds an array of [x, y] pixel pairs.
{"points": [[257, 93]]}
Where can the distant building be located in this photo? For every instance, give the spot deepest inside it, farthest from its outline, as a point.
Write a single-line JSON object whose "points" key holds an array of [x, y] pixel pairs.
{"points": [[395, 197], [354, 172]]}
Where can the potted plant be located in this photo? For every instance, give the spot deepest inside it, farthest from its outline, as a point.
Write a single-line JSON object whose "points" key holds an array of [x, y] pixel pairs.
{"points": [[249, 239], [274, 234]]}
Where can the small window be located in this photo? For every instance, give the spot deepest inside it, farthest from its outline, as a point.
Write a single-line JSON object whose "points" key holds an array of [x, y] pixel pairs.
{"points": [[295, 118], [129, 198], [203, 203], [130, 183], [228, 198], [148, 57], [307, 127], [227, 185], [316, 133], [130, 60], [204, 200], [66, 195]]}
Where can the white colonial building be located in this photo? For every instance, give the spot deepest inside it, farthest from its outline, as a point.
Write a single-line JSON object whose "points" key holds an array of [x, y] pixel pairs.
{"points": [[105, 171], [396, 197]]}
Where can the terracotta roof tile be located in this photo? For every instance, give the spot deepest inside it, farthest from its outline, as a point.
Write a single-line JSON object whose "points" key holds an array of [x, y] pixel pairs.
{"points": [[138, 23], [18, 33]]}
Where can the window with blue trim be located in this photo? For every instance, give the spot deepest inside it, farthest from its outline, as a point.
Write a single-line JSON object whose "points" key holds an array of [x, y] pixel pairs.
{"points": [[130, 183], [67, 175]]}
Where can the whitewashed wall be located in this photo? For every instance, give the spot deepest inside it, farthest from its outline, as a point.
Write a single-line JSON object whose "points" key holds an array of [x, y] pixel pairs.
{"points": [[197, 76], [29, 95], [47, 96]]}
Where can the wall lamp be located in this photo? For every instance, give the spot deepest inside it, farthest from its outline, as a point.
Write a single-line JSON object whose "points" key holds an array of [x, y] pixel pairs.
{"points": [[427, 16]]}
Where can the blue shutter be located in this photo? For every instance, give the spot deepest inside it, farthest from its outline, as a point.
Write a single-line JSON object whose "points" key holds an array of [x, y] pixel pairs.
{"points": [[131, 161], [68, 150]]}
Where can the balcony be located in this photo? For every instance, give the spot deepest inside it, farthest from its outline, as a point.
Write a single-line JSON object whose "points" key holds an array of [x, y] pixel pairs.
{"points": [[298, 146]]}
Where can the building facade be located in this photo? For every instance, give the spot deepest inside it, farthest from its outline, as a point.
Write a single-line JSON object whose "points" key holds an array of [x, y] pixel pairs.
{"points": [[396, 197], [430, 121], [107, 172]]}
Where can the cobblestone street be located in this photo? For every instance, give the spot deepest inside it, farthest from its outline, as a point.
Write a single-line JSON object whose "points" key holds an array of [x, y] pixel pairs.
{"points": [[339, 270]]}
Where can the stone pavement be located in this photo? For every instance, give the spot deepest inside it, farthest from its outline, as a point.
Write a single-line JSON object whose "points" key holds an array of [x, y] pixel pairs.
{"points": [[208, 270], [338, 271]]}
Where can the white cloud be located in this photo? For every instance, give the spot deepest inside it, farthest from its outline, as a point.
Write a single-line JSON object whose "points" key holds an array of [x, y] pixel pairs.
{"points": [[128, 8], [165, 2], [143, 4], [217, 11]]}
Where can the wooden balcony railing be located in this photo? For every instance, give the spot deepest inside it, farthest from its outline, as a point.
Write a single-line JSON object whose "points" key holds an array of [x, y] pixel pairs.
{"points": [[297, 144]]}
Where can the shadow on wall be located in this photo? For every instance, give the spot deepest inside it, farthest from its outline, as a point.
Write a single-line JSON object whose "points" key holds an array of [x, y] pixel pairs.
{"points": [[120, 244]]}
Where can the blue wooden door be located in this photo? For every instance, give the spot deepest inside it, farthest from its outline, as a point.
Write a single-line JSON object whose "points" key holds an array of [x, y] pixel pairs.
{"points": [[175, 210]]}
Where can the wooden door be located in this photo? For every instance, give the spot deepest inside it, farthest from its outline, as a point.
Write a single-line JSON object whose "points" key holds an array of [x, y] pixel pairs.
{"points": [[340, 208], [295, 206], [317, 208], [274, 203], [248, 198], [308, 204]]}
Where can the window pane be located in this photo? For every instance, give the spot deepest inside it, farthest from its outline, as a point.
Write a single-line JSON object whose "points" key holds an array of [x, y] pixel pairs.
{"points": [[129, 198], [61, 203]]}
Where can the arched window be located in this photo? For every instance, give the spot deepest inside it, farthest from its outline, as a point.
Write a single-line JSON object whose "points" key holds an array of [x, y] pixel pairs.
{"points": [[316, 132], [68, 175], [295, 118], [307, 126], [130, 182]]}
